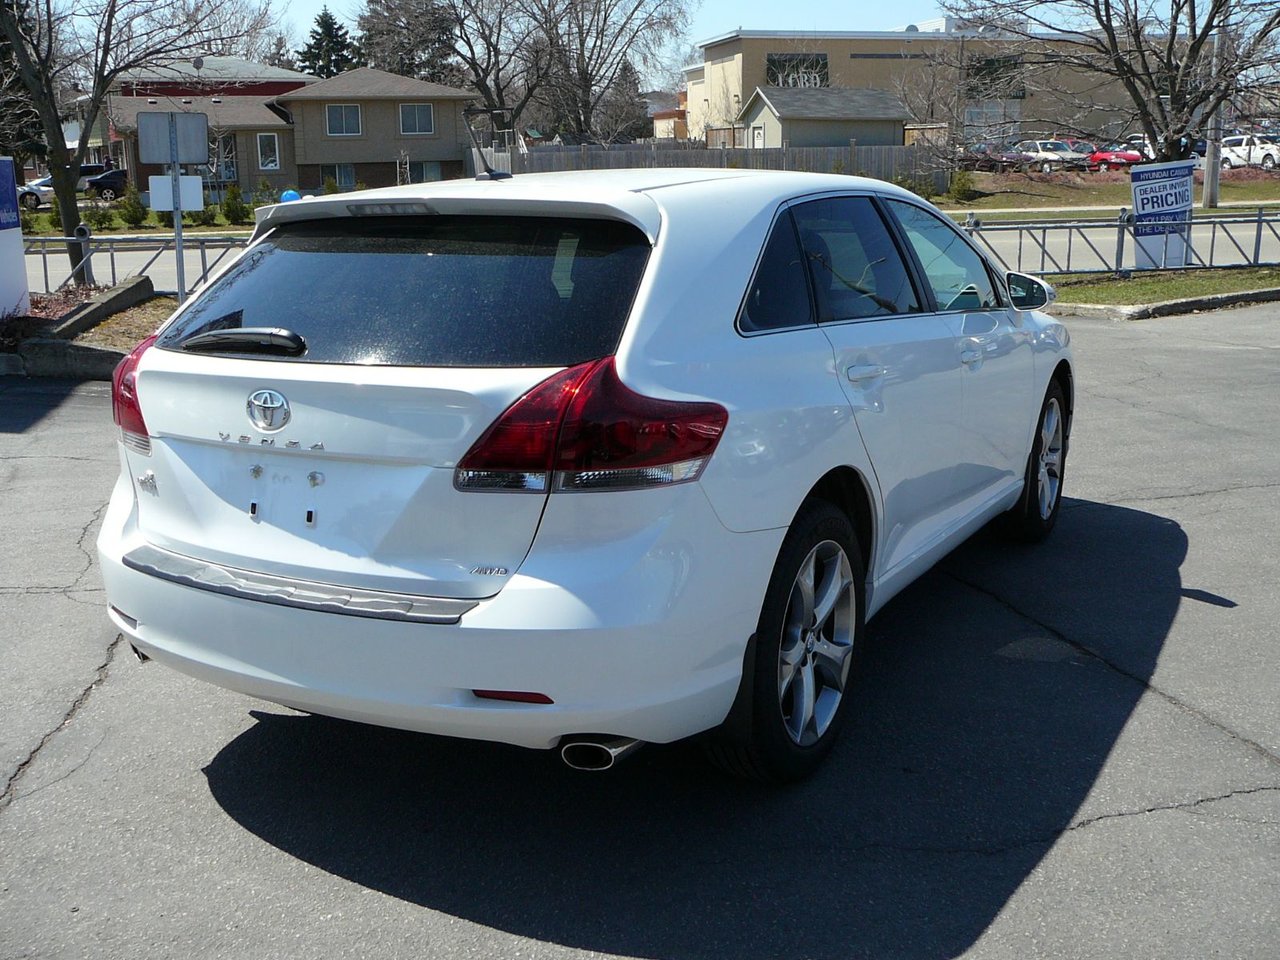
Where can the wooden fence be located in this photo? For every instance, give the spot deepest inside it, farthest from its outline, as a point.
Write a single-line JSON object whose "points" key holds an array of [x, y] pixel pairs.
{"points": [[883, 163]]}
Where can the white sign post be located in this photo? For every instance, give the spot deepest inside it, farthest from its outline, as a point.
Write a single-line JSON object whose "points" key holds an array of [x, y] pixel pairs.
{"points": [[175, 139], [1162, 194], [15, 298]]}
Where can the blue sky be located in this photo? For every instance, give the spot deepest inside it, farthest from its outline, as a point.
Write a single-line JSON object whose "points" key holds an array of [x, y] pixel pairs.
{"points": [[713, 16]]}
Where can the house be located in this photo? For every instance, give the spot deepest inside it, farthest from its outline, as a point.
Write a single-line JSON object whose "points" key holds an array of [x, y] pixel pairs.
{"points": [[369, 127], [943, 70], [822, 117]]}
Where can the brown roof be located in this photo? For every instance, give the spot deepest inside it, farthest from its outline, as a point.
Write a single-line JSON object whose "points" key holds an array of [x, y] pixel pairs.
{"points": [[365, 83], [231, 113]]}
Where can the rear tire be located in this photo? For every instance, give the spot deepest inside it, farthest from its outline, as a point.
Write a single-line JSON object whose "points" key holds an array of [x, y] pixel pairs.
{"points": [[1226, 164], [107, 194], [1046, 167], [1034, 515], [807, 650], [31, 201]]}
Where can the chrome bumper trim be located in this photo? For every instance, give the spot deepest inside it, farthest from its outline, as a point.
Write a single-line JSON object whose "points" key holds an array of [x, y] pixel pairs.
{"points": [[287, 592]]}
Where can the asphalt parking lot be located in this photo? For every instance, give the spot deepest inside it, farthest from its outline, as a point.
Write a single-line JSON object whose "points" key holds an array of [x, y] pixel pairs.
{"points": [[1071, 750]]}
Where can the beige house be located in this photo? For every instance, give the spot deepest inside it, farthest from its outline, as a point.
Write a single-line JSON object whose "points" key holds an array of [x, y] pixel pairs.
{"points": [[940, 70], [376, 129], [821, 117]]}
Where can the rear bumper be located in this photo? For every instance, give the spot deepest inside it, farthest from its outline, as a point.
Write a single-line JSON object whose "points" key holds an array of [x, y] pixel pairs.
{"points": [[634, 631]]}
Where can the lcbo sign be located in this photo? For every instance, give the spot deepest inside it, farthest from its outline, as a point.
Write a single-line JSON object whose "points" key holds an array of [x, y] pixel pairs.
{"points": [[1162, 201]]}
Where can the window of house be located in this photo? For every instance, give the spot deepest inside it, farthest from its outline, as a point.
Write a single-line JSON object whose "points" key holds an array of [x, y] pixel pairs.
{"points": [[424, 171], [417, 118], [343, 174], [268, 151], [955, 271], [222, 158], [856, 267], [796, 70], [342, 119]]}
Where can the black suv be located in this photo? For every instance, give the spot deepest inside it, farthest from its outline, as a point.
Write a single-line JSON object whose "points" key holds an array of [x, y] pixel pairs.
{"points": [[108, 186]]}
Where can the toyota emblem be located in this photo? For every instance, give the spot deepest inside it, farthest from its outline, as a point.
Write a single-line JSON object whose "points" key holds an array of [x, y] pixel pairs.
{"points": [[268, 410]]}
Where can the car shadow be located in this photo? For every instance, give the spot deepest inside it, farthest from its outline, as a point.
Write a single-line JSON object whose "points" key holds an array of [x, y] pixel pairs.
{"points": [[25, 403], [996, 687]]}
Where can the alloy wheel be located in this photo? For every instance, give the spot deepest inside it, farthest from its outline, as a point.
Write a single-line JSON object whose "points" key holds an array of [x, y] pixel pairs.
{"points": [[817, 640], [1050, 467]]}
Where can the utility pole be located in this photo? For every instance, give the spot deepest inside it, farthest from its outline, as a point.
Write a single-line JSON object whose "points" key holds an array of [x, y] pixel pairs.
{"points": [[1213, 142]]}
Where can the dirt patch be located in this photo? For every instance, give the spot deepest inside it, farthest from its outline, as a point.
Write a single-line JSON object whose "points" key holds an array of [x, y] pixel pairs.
{"points": [[52, 306], [123, 330]]}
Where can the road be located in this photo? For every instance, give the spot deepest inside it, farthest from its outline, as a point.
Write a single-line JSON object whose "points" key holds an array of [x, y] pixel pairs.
{"points": [[1070, 750]]}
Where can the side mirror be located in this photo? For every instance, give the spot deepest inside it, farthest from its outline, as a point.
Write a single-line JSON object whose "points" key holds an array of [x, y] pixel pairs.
{"points": [[1029, 293]]}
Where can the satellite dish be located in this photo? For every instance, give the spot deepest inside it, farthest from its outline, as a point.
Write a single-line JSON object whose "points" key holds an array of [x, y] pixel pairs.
{"points": [[198, 62], [912, 28]]}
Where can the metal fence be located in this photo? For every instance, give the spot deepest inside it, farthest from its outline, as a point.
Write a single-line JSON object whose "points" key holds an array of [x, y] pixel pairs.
{"points": [[884, 163], [1111, 246], [119, 258]]}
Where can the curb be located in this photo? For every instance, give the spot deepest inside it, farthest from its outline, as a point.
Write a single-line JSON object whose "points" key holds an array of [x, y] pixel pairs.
{"points": [[122, 296], [59, 358], [1166, 308]]}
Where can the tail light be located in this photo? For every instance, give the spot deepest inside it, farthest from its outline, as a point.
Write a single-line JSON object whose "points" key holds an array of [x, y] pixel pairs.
{"points": [[124, 400], [584, 429]]}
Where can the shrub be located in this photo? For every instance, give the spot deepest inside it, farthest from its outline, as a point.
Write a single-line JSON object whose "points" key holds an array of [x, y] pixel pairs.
{"points": [[165, 218], [330, 185], [54, 220], [920, 186], [99, 216], [130, 208], [234, 209], [263, 194], [28, 220], [961, 188]]}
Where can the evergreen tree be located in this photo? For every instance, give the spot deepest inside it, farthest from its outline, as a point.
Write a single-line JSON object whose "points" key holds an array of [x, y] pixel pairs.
{"points": [[413, 38], [329, 51]]}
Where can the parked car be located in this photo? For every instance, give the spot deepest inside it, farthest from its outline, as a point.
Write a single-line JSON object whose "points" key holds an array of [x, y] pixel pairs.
{"points": [[1050, 155], [1249, 150], [31, 195], [1114, 156], [564, 460], [990, 157], [107, 186]]}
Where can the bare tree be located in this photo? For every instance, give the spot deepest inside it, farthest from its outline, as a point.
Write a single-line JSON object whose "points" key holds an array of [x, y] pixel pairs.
{"points": [[1177, 62], [593, 42], [88, 44], [503, 50]]}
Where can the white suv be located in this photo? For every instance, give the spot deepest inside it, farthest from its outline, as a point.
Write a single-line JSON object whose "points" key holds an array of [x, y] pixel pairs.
{"points": [[578, 460]]}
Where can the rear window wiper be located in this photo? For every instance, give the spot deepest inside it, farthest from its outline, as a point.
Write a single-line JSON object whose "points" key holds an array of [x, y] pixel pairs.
{"points": [[247, 340]]}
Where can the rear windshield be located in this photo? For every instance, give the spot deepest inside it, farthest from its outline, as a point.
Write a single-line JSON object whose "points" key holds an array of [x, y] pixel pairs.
{"points": [[439, 291]]}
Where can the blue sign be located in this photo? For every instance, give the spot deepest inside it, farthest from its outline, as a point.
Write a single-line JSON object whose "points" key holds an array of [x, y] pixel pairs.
{"points": [[1163, 195], [9, 219]]}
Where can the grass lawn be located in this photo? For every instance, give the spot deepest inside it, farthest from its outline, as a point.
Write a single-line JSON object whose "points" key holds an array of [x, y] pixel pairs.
{"points": [[44, 223], [1021, 191], [123, 330], [1154, 286]]}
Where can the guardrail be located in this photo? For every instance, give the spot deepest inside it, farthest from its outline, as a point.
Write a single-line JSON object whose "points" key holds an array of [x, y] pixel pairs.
{"points": [[1112, 246], [108, 252]]}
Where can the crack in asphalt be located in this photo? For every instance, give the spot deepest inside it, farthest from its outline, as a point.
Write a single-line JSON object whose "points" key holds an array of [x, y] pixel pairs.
{"points": [[8, 795], [1050, 837], [1194, 493], [1144, 682]]}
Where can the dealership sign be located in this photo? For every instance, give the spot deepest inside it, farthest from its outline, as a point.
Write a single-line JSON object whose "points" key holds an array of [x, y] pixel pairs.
{"points": [[1162, 201], [13, 261]]}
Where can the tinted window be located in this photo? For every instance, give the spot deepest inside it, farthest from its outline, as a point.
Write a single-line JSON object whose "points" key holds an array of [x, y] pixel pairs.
{"points": [[779, 294], [856, 267], [954, 270], [434, 291]]}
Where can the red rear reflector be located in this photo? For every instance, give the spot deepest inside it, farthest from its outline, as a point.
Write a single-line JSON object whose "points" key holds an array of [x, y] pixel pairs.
{"points": [[584, 429], [517, 696], [125, 407]]}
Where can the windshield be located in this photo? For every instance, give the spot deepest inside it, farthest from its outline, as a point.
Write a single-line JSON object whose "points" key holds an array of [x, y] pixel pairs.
{"points": [[455, 291]]}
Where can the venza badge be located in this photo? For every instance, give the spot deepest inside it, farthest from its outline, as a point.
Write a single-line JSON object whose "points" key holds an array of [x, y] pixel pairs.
{"points": [[268, 410]]}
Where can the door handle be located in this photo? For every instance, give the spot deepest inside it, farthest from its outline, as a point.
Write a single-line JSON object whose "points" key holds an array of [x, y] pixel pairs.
{"points": [[864, 371], [970, 356]]}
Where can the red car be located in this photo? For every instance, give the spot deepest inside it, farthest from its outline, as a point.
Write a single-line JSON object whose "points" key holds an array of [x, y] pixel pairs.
{"points": [[1114, 156]]}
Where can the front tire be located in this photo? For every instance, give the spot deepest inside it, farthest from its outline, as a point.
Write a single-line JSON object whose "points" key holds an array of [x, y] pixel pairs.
{"points": [[808, 645], [1226, 164], [1268, 163], [107, 194], [31, 201], [1046, 167], [1034, 515]]}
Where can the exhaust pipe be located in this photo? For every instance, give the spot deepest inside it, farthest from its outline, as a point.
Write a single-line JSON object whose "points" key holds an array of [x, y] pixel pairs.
{"points": [[597, 753]]}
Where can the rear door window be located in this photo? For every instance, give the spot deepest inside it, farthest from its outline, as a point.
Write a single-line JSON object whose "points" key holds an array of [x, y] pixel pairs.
{"points": [[433, 291], [857, 269]]}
